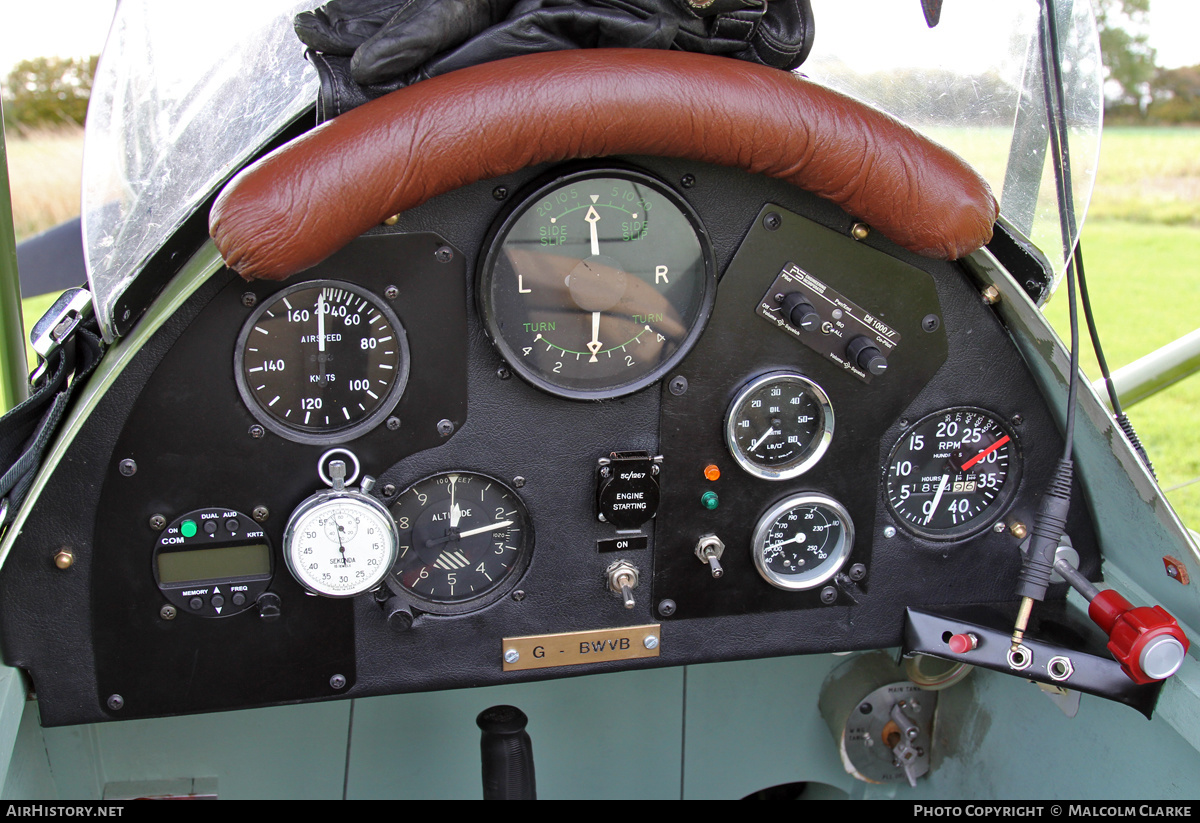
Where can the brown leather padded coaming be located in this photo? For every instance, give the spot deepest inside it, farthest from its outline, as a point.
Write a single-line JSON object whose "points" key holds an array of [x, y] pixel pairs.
{"points": [[298, 205]]}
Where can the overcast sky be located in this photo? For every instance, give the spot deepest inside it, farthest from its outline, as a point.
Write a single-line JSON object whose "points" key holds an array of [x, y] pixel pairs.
{"points": [[76, 28]]}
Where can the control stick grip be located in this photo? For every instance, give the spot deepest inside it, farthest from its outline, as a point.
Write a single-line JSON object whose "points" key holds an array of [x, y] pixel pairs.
{"points": [[507, 754]]}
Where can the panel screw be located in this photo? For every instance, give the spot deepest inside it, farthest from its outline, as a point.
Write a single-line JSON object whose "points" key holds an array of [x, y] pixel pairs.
{"points": [[930, 323], [518, 595], [650, 642], [859, 231], [127, 467], [391, 292], [393, 423], [865, 708], [828, 595], [116, 702], [499, 193], [991, 295], [889, 531], [338, 681], [249, 299], [772, 221], [503, 373], [445, 427], [858, 572], [1017, 419], [999, 527], [678, 386], [687, 181], [389, 489], [904, 422], [666, 608], [511, 656], [260, 514], [257, 431], [518, 482], [158, 522], [444, 255], [1018, 530], [167, 612], [64, 559], [125, 315]]}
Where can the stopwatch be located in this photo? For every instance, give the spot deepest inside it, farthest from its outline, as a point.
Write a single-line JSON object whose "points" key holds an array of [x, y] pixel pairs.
{"points": [[340, 542]]}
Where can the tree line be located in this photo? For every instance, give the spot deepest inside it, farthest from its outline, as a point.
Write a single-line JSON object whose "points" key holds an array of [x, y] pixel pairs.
{"points": [[48, 92]]}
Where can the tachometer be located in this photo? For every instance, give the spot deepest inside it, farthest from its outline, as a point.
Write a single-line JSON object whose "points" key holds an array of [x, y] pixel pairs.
{"points": [[952, 473], [321, 362], [597, 284]]}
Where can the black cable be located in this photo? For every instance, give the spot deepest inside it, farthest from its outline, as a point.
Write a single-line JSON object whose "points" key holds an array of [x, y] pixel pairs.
{"points": [[1095, 335], [1051, 519], [1118, 413]]}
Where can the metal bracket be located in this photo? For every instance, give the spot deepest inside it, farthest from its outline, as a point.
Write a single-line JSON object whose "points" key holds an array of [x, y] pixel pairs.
{"points": [[74, 306]]}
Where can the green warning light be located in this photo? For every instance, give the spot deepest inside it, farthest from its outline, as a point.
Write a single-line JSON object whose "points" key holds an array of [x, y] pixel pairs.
{"points": [[709, 500], [188, 528]]}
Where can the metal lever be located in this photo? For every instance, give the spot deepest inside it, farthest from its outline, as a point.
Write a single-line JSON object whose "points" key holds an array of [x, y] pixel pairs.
{"points": [[905, 753], [623, 579], [709, 549]]}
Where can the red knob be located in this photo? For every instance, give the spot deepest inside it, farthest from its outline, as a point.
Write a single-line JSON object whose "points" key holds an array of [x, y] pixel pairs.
{"points": [[963, 643], [1146, 641]]}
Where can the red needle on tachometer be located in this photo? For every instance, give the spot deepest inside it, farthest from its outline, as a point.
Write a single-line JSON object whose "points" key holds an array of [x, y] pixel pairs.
{"points": [[985, 453]]}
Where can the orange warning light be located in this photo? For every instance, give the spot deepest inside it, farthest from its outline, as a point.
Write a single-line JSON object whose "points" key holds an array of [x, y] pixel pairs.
{"points": [[712, 472]]}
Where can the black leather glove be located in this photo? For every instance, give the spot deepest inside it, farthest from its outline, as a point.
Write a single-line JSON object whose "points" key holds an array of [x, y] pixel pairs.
{"points": [[393, 43]]}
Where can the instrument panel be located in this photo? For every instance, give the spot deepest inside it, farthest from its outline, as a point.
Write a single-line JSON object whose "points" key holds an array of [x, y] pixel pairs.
{"points": [[624, 395]]}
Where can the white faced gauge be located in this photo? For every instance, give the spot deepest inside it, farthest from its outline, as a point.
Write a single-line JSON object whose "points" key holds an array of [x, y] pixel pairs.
{"points": [[779, 425], [802, 541], [340, 542]]}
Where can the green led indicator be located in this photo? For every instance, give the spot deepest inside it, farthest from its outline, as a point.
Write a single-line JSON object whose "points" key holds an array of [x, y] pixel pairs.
{"points": [[710, 500], [188, 528]]}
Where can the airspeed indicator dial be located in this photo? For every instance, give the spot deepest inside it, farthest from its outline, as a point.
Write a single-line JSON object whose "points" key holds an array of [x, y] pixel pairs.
{"points": [[952, 473], [321, 361]]}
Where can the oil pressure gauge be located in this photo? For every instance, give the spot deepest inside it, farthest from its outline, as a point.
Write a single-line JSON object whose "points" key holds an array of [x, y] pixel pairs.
{"points": [[779, 425], [952, 473]]}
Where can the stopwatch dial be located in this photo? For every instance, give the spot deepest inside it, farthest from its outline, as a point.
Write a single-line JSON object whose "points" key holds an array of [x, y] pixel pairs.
{"points": [[779, 425], [464, 540], [952, 473], [321, 361], [802, 541], [597, 284], [340, 544]]}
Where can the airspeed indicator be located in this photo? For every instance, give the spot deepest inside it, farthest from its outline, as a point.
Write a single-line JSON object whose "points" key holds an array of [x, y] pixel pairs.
{"points": [[321, 361]]}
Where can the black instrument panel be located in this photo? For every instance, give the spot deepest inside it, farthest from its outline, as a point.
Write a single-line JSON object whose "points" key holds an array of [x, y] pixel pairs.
{"points": [[178, 414]]}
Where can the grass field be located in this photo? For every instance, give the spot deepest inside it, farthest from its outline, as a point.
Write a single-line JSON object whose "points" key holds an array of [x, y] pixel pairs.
{"points": [[44, 175], [1141, 242]]}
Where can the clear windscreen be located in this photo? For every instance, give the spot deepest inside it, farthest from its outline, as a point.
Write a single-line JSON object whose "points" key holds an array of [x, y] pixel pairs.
{"points": [[975, 84], [182, 99]]}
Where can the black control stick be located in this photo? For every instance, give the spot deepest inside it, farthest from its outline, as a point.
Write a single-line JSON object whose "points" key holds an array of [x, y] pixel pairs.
{"points": [[507, 754]]}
